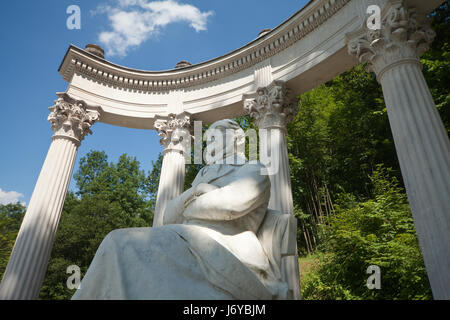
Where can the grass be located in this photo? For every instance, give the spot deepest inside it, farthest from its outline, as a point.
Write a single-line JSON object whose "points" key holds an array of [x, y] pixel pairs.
{"points": [[306, 265]]}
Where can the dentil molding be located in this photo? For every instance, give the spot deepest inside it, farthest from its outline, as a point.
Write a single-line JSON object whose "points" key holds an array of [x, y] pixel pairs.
{"points": [[294, 29]]}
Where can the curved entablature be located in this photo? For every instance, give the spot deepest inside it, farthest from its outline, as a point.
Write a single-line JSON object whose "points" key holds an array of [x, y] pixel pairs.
{"points": [[314, 14], [305, 51]]}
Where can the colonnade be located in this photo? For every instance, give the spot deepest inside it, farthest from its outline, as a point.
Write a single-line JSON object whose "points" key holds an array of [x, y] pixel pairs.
{"points": [[421, 141]]}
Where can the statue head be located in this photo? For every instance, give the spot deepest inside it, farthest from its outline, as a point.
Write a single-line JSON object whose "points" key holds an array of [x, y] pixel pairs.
{"points": [[225, 143]]}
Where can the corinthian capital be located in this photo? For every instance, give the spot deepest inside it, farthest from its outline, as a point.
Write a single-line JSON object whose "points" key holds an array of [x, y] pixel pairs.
{"points": [[71, 119], [272, 106], [174, 131], [404, 36]]}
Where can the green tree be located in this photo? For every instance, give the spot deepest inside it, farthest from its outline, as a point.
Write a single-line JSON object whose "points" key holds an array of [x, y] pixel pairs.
{"points": [[338, 136], [154, 178], [436, 62], [342, 132], [378, 231], [110, 196], [11, 216]]}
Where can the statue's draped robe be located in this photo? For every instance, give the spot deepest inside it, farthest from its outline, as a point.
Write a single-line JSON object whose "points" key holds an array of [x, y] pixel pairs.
{"points": [[212, 252]]}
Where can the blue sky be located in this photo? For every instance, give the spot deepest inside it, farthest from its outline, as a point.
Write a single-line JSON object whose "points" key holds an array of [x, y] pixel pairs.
{"points": [[142, 34]]}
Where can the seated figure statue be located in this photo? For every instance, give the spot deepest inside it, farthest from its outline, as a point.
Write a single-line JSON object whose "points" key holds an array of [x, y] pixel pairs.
{"points": [[218, 241]]}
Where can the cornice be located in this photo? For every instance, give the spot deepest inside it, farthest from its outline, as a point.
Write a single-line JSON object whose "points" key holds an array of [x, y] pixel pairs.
{"points": [[313, 15]]}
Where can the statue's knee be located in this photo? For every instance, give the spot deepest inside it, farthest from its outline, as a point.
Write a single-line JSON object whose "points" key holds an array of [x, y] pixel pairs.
{"points": [[114, 235]]}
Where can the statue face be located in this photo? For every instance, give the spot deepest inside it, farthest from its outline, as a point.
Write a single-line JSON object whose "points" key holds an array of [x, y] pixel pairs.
{"points": [[219, 145], [221, 140]]}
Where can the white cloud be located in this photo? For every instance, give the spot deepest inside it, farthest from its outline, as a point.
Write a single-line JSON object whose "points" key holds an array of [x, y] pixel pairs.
{"points": [[10, 197], [132, 22]]}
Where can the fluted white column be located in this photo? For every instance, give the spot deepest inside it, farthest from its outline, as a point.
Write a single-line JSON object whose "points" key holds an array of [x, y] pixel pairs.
{"points": [[28, 262], [175, 133], [420, 138], [273, 108]]}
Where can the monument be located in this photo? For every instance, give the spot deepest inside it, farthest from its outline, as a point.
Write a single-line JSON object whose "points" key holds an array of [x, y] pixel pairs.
{"points": [[322, 40], [219, 240]]}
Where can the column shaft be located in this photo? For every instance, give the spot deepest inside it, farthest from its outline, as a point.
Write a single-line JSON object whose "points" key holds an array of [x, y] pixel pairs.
{"points": [[423, 150], [272, 108], [422, 144], [280, 190], [171, 183], [281, 200], [28, 262], [176, 139]]}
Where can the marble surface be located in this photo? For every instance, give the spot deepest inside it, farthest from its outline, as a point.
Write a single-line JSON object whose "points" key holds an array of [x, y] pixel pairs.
{"points": [[219, 241]]}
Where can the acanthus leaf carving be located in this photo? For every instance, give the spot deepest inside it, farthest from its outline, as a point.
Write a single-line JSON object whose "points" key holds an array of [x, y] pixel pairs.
{"points": [[70, 118], [404, 35], [174, 131], [273, 106]]}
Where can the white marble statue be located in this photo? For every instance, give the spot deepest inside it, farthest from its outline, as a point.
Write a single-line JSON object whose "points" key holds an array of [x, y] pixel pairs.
{"points": [[218, 241]]}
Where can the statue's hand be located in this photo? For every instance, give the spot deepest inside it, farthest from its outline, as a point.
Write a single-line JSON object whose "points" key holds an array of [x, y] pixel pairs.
{"points": [[199, 190], [203, 188]]}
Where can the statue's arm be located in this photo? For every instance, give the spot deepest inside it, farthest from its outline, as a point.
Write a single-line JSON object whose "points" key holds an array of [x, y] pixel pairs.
{"points": [[249, 191], [175, 207]]}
